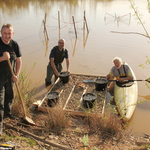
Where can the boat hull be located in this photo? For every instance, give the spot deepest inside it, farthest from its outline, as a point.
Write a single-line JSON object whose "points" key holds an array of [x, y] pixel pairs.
{"points": [[126, 99]]}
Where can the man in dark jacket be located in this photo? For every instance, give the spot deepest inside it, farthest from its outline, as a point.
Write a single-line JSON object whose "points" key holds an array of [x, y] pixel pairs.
{"points": [[9, 49], [57, 55]]}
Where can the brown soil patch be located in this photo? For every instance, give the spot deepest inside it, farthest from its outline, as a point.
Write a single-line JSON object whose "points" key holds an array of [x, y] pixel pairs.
{"points": [[71, 135]]}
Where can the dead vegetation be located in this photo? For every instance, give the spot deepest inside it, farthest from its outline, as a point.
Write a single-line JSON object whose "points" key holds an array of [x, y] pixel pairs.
{"points": [[57, 128], [54, 119]]}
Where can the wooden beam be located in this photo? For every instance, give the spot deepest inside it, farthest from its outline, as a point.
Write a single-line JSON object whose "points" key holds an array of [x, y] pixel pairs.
{"points": [[80, 113], [69, 97], [40, 102]]}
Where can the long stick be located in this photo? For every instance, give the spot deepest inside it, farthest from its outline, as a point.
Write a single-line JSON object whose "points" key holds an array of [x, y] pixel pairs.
{"points": [[24, 111], [84, 21], [130, 80], [93, 81], [17, 88], [74, 26], [86, 24], [45, 29], [138, 16]]}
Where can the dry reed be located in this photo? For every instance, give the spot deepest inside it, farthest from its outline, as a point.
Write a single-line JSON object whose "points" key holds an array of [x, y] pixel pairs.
{"points": [[109, 124], [54, 120]]}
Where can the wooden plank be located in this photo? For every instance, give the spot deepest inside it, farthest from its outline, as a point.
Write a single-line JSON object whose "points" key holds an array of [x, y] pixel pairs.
{"points": [[103, 110], [69, 97], [40, 102], [82, 97], [83, 93], [88, 75], [79, 113], [78, 77]]}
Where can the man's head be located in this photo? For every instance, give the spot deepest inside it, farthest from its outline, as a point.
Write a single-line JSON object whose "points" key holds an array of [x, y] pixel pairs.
{"points": [[7, 33], [117, 62], [61, 43]]}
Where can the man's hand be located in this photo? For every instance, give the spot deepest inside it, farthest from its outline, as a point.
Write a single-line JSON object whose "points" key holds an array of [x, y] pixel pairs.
{"points": [[121, 80], [68, 72], [6, 56], [57, 74], [15, 78]]}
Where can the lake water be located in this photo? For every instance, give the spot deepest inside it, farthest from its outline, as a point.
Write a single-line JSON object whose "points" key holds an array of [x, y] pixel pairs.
{"points": [[90, 53]]}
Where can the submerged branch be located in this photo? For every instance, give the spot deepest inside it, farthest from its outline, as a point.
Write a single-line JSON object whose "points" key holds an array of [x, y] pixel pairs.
{"points": [[131, 33], [136, 13]]}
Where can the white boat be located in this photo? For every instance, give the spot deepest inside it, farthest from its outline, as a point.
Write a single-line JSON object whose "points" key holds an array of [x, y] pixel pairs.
{"points": [[126, 98]]}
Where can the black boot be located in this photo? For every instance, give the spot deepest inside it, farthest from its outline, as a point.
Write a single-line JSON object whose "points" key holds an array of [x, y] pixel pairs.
{"points": [[10, 116], [47, 83]]}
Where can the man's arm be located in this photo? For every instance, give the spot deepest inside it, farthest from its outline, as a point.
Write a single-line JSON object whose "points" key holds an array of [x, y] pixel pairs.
{"points": [[18, 65], [67, 64], [18, 68], [125, 78]]}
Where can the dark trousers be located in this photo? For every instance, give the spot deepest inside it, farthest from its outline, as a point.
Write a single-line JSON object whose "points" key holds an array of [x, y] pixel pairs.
{"points": [[6, 96], [50, 71]]}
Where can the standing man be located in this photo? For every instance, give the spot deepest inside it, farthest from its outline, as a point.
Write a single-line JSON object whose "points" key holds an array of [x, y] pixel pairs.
{"points": [[57, 55], [9, 49]]}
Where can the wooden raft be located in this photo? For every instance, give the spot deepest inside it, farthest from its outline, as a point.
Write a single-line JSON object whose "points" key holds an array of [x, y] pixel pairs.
{"points": [[71, 95]]}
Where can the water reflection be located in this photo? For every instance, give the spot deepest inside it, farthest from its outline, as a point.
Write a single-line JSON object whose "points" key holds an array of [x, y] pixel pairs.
{"points": [[46, 50], [99, 46], [85, 39], [148, 5], [15, 5], [74, 47], [59, 28]]}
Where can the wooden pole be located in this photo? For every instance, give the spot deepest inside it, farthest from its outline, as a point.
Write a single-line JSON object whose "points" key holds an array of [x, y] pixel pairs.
{"points": [[45, 30], [59, 33], [74, 26], [86, 25], [85, 40], [84, 21], [58, 20], [45, 18], [46, 48]]}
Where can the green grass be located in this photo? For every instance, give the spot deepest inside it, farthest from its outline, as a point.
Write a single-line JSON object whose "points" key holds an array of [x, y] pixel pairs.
{"points": [[5, 138]]}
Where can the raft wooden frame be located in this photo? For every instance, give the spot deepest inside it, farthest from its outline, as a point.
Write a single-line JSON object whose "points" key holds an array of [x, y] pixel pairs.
{"points": [[39, 103]]}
